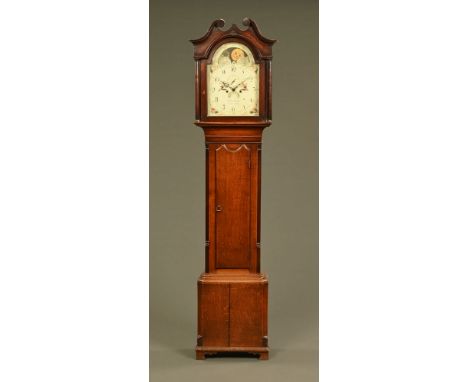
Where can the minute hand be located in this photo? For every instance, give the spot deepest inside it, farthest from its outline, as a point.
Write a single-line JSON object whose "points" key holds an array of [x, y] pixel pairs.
{"points": [[239, 84]]}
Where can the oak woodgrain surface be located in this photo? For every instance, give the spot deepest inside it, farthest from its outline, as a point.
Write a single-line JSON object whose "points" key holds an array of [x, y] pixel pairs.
{"points": [[232, 293]]}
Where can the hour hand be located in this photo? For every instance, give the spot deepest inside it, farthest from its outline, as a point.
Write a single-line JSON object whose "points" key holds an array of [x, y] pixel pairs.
{"points": [[224, 86], [230, 85]]}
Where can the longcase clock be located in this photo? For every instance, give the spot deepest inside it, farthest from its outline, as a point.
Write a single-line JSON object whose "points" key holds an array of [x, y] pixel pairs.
{"points": [[233, 106]]}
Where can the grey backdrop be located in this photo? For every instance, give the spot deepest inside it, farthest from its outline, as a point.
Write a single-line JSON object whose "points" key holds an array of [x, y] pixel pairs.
{"points": [[289, 192]]}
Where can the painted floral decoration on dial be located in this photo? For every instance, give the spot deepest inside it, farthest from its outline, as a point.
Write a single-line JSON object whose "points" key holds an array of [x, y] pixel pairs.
{"points": [[233, 82]]}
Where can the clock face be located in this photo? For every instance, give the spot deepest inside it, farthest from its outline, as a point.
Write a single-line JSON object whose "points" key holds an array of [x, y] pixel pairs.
{"points": [[233, 82]]}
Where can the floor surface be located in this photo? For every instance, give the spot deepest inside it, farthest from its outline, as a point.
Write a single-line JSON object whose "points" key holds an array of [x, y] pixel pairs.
{"points": [[295, 361], [179, 365]]}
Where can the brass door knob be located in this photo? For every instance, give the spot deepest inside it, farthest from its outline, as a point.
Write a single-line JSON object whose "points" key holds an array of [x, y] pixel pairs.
{"points": [[219, 208]]}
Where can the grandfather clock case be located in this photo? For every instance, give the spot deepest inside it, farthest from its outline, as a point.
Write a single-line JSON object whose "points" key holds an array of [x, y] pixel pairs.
{"points": [[233, 106]]}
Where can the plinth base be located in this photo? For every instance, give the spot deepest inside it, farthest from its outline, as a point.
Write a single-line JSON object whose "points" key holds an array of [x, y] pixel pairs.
{"points": [[203, 351], [232, 314]]}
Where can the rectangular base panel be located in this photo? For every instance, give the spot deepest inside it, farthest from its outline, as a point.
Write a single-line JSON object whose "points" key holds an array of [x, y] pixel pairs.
{"points": [[232, 313], [203, 351]]}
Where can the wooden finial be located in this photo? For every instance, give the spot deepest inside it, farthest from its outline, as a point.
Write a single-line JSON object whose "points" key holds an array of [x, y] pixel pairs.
{"points": [[246, 21], [219, 23]]}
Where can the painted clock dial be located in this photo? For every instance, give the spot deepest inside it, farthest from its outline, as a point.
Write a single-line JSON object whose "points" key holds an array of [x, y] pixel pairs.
{"points": [[233, 82]]}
